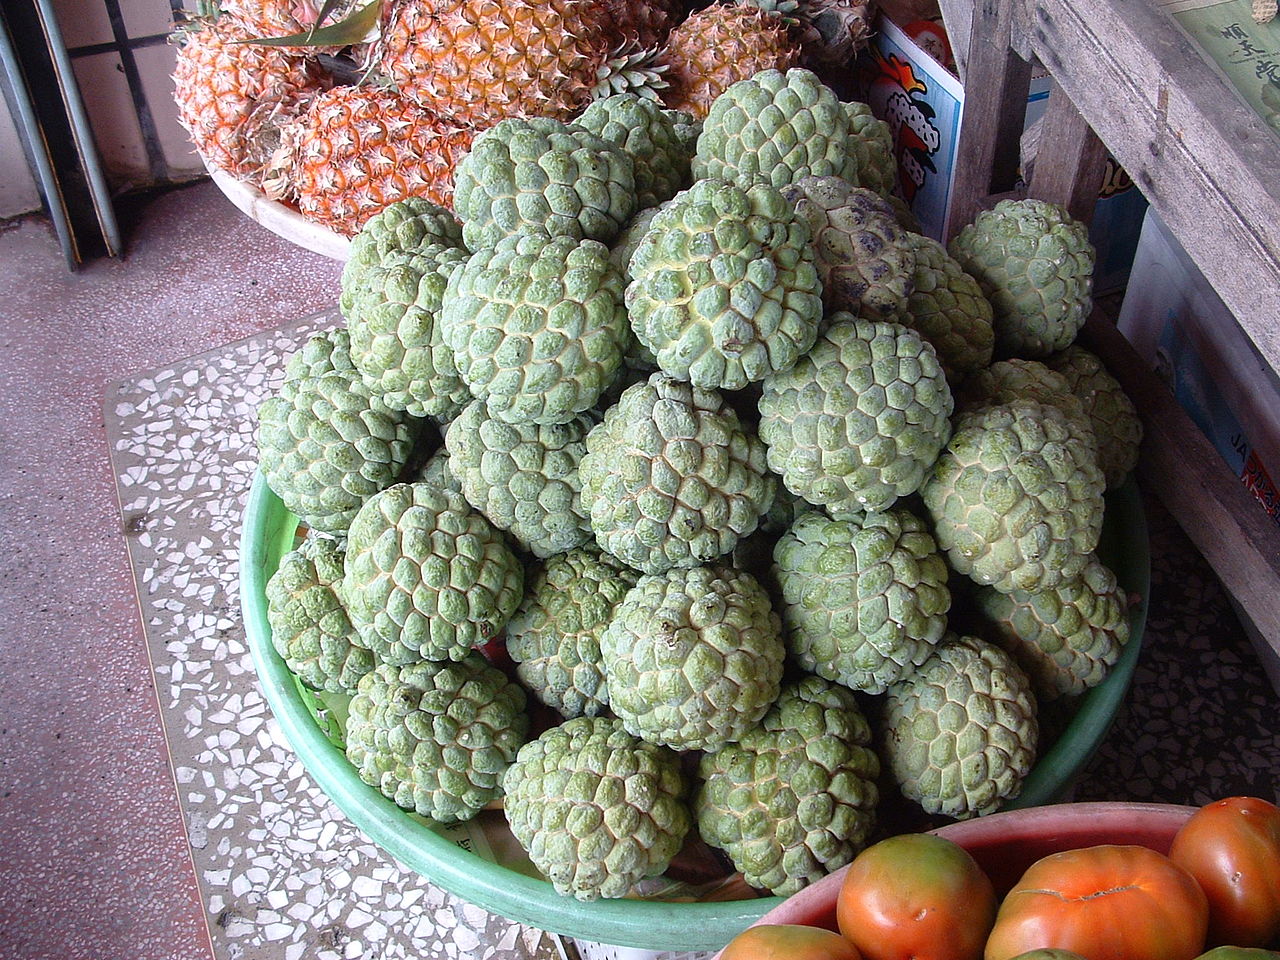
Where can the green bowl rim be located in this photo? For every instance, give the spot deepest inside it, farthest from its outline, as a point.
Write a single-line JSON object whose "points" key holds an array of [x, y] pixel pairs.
{"points": [[268, 532]]}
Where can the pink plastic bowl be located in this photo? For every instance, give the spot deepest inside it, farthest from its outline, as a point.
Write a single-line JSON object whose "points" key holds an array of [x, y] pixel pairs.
{"points": [[1005, 844]]}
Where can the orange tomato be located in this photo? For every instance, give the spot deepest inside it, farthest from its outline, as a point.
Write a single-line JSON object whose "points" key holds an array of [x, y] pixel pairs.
{"points": [[1232, 848], [789, 941], [1109, 902], [916, 896]]}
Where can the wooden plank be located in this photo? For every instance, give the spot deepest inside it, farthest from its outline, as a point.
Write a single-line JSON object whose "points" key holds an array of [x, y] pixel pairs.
{"points": [[995, 104], [957, 20], [1075, 159], [1179, 465], [1201, 156]]}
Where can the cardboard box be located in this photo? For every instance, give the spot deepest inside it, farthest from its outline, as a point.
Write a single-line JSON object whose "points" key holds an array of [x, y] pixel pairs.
{"points": [[923, 103]]}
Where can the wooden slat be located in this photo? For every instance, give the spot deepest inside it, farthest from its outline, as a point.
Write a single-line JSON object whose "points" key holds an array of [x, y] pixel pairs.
{"points": [[996, 84], [1075, 159], [1206, 162], [1181, 467], [957, 20]]}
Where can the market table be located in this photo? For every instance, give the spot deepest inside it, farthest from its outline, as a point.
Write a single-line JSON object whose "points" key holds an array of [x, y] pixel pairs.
{"points": [[284, 875]]}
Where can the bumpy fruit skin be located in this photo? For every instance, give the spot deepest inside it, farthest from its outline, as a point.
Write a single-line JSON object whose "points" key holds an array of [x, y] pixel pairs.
{"points": [[355, 150], [649, 135], [428, 575], [866, 264], [1066, 639], [795, 797], [671, 478], [777, 125], [480, 62], [1017, 379], [310, 628], [1016, 497], [959, 734], [326, 442], [870, 143], [437, 737], [718, 46], [541, 175], [1035, 265], [860, 419], [1115, 420], [948, 308], [554, 636], [694, 657], [597, 809], [723, 287], [864, 601], [436, 471], [523, 476], [537, 326], [392, 289]]}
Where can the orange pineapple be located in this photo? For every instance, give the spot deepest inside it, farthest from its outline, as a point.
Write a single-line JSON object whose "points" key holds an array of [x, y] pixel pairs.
{"points": [[644, 25], [357, 150], [481, 61], [230, 95], [719, 46]]}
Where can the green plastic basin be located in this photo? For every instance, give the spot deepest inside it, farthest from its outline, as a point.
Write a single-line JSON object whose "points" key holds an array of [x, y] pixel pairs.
{"points": [[268, 534]]}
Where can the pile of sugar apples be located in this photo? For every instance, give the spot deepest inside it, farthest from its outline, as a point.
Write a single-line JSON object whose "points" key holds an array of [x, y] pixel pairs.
{"points": [[780, 510]]}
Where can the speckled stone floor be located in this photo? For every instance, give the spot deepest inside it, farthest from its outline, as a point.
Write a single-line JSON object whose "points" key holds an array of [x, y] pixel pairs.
{"points": [[181, 826]]}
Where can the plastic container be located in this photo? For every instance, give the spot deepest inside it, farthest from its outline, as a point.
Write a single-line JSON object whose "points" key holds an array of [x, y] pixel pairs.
{"points": [[282, 220], [268, 533], [1005, 844]]}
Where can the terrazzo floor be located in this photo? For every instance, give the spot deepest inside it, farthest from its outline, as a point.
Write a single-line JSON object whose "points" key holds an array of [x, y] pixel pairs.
{"points": [[180, 825]]}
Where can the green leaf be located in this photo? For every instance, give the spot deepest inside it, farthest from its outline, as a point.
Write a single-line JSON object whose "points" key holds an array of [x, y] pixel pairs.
{"points": [[353, 29]]}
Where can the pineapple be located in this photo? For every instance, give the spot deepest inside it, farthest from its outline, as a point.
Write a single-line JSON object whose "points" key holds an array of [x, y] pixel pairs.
{"points": [[283, 18], [830, 32], [481, 61], [719, 46], [643, 25], [233, 96], [357, 150]]}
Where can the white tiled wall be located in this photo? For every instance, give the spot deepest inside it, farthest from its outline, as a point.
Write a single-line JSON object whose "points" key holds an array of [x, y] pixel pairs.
{"points": [[130, 109]]}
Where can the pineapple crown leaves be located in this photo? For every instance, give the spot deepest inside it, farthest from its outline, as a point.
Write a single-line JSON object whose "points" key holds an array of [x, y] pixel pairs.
{"points": [[630, 69], [359, 26]]}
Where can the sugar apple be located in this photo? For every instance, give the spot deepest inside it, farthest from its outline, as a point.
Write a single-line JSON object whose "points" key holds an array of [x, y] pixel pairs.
{"points": [[1016, 497], [435, 470], [437, 737], [597, 809], [326, 352], [796, 797], [1019, 379], [1114, 418], [326, 442], [871, 144], [865, 261], [723, 286], [671, 478], [1066, 639], [523, 476], [693, 656], [537, 174], [554, 636], [947, 307], [537, 326], [649, 135], [778, 126], [959, 734], [428, 575], [1035, 265], [863, 601], [310, 628], [858, 422], [391, 292]]}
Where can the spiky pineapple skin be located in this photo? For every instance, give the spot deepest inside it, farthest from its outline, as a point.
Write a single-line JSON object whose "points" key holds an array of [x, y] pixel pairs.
{"points": [[480, 61], [357, 150]]}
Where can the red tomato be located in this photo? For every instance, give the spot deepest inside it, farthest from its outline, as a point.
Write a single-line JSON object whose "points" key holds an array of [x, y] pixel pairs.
{"points": [[1110, 902], [1232, 847], [789, 941], [916, 896]]}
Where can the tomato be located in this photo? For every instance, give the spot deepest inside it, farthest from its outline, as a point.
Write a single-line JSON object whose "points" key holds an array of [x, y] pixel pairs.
{"points": [[1109, 902], [789, 941], [916, 896], [1232, 847]]}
